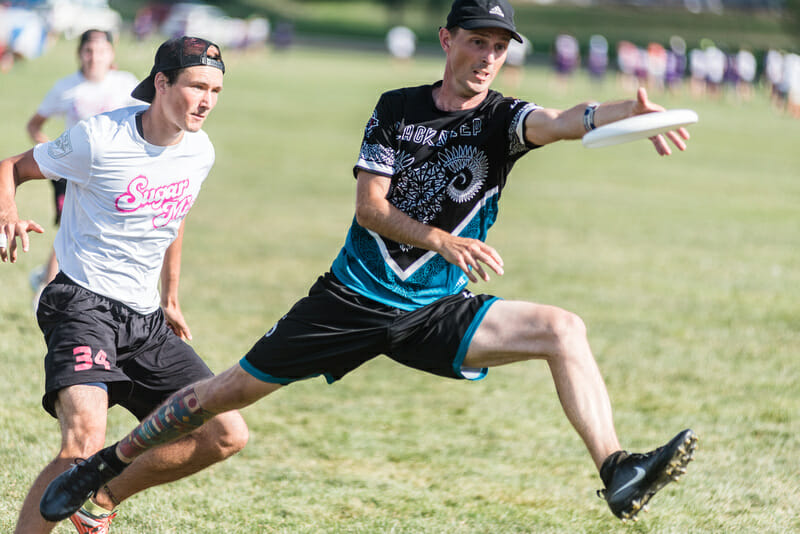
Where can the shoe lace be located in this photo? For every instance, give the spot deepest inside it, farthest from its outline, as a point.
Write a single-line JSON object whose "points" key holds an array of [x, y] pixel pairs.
{"points": [[639, 456], [86, 478]]}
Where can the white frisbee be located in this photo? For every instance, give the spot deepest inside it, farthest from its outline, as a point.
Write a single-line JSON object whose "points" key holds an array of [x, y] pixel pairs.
{"points": [[639, 127]]}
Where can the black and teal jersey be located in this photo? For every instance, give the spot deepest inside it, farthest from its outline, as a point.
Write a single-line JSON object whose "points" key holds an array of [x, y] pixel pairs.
{"points": [[448, 170]]}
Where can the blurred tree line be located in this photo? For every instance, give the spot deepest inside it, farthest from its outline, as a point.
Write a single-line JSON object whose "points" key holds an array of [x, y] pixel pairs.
{"points": [[396, 8], [638, 21], [791, 18]]}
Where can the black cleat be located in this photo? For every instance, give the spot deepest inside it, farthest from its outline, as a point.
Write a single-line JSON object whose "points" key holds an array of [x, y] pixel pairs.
{"points": [[68, 491], [632, 479]]}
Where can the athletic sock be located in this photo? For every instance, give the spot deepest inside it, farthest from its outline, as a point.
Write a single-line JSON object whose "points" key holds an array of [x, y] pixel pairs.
{"points": [[109, 456], [95, 509]]}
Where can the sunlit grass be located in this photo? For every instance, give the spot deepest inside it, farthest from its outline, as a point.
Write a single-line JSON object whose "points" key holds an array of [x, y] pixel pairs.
{"points": [[684, 268]]}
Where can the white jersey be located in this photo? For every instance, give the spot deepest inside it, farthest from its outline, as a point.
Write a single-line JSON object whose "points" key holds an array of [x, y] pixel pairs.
{"points": [[746, 65], [76, 98], [125, 202]]}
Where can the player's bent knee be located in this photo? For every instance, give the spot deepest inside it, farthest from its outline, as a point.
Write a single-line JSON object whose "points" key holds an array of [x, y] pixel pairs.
{"points": [[567, 329], [571, 325], [229, 433]]}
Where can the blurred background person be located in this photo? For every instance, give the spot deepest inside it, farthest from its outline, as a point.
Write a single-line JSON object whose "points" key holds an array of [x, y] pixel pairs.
{"points": [[716, 64], [746, 68], [790, 84], [656, 66], [149, 19], [95, 88], [23, 35], [730, 79], [698, 72], [676, 63], [6, 55], [258, 29], [597, 58], [628, 59], [773, 75], [566, 58], [401, 42], [516, 56], [283, 36]]}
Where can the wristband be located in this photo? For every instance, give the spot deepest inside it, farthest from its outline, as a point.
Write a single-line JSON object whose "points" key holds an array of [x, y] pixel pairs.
{"points": [[588, 116]]}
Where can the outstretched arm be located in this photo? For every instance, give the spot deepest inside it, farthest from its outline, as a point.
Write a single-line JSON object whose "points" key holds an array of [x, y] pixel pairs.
{"points": [[544, 126], [14, 171], [374, 212]]}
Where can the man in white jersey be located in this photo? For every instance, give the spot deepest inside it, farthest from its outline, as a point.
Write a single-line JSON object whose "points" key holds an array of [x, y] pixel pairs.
{"points": [[95, 88], [132, 176], [429, 176]]}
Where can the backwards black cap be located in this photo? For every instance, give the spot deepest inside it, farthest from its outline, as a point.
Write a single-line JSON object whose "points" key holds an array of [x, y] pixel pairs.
{"points": [[177, 54], [475, 14]]}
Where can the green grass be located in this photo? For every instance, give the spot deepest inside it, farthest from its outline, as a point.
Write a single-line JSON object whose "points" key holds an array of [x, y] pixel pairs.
{"points": [[684, 268]]}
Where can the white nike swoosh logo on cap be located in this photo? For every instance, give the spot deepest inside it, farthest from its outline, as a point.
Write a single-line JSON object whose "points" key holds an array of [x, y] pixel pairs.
{"points": [[640, 473]]}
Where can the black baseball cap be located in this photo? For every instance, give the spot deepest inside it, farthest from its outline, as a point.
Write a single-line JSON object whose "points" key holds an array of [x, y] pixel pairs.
{"points": [[475, 14], [175, 54]]}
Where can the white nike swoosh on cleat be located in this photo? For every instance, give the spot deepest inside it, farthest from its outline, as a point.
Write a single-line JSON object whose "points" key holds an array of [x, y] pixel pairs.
{"points": [[640, 473]]}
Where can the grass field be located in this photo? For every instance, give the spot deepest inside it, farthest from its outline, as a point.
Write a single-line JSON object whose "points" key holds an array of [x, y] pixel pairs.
{"points": [[684, 268]]}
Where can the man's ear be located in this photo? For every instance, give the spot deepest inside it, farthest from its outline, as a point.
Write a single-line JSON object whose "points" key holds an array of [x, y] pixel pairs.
{"points": [[445, 38], [160, 82]]}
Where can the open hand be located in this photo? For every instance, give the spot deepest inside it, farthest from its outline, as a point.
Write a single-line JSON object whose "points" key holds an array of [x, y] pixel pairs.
{"points": [[643, 105], [469, 255], [175, 321], [10, 231]]}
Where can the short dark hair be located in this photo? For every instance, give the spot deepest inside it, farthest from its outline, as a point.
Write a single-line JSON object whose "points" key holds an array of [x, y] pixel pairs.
{"points": [[172, 75], [88, 34]]}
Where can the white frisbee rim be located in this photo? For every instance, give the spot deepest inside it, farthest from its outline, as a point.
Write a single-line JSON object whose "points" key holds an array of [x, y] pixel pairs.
{"points": [[639, 127]]}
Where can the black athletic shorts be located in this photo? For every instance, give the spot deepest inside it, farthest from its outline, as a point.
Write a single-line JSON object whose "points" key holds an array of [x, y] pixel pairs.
{"points": [[334, 330], [59, 190], [94, 339]]}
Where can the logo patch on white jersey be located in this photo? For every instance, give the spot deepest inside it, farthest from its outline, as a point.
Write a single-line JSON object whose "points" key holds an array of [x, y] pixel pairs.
{"points": [[497, 11], [169, 202], [60, 147]]}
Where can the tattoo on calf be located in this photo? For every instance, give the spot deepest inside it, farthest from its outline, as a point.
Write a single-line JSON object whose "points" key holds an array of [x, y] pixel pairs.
{"points": [[179, 415]]}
